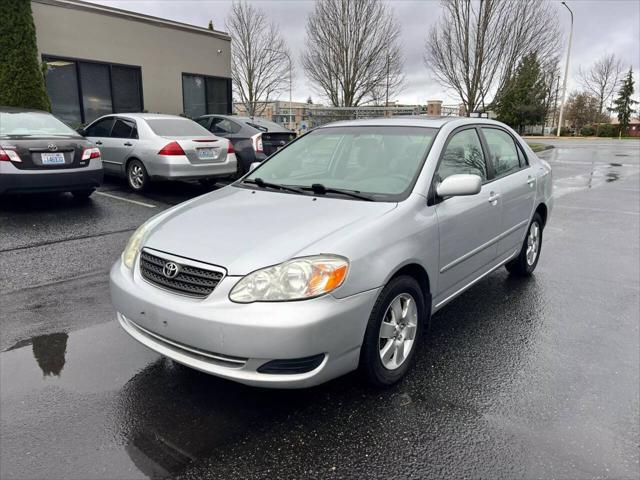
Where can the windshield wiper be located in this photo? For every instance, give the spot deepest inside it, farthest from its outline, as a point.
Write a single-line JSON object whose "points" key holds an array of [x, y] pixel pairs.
{"points": [[276, 186], [320, 189]]}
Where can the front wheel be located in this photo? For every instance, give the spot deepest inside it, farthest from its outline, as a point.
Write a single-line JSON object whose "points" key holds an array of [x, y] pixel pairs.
{"points": [[527, 260], [393, 332]]}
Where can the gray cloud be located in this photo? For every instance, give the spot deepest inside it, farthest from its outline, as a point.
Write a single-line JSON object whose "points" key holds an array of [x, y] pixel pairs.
{"points": [[601, 26]]}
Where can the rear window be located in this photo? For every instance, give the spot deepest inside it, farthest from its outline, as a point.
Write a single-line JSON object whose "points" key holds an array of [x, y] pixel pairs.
{"points": [[265, 125], [32, 124], [177, 127]]}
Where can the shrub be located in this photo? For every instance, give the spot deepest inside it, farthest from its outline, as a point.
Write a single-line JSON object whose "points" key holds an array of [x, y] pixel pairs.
{"points": [[587, 131], [21, 77], [607, 130]]}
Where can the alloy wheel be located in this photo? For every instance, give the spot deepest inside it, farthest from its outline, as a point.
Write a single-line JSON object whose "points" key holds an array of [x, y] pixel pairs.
{"points": [[533, 243], [136, 177], [398, 331]]}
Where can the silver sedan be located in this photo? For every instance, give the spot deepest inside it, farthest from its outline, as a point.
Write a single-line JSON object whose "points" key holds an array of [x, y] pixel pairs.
{"points": [[146, 146], [334, 253]]}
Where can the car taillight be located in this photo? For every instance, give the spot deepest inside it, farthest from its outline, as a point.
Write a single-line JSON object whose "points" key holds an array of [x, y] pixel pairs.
{"points": [[230, 148], [172, 148], [256, 140], [7, 155], [90, 153]]}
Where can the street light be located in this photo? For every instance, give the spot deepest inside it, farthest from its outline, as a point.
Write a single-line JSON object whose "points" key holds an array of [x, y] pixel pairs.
{"points": [[566, 72], [286, 54]]}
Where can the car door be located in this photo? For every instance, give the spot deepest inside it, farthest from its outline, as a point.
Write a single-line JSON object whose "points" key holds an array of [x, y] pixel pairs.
{"points": [[468, 225], [124, 136], [99, 132], [517, 183]]}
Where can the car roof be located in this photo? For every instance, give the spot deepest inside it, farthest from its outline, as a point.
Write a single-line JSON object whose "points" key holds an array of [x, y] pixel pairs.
{"points": [[20, 110], [145, 116], [413, 121]]}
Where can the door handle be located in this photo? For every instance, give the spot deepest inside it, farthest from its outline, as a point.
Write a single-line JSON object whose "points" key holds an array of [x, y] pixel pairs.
{"points": [[531, 181], [128, 144], [98, 142], [493, 198]]}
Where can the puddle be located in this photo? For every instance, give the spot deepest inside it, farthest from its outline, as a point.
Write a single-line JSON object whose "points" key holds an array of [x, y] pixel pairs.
{"points": [[599, 175]]}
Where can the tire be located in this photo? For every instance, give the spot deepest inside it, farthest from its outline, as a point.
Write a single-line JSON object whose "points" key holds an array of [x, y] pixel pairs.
{"points": [[527, 260], [378, 372], [137, 177], [82, 194]]}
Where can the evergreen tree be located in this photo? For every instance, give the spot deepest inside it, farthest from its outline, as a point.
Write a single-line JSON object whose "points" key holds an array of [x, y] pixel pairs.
{"points": [[21, 77], [210, 26], [624, 103], [521, 102]]}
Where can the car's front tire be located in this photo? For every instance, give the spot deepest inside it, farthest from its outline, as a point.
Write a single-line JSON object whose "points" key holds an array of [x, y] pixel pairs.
{"points": [[137, 177], [393, 332], [527, 260]]}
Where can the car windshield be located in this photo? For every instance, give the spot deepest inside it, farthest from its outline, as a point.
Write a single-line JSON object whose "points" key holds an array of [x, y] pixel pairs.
{"points": [[32, 124], [177, 127], [382, 162]]}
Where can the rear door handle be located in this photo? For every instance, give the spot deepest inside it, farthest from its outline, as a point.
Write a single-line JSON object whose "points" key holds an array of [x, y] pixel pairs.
{"points": [[128, 144], [493, 198], [531, 181], [98, 142]]}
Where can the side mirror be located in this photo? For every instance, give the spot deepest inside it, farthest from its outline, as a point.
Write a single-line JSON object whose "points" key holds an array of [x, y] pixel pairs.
{"points": [[255, 164], [459, 185]]}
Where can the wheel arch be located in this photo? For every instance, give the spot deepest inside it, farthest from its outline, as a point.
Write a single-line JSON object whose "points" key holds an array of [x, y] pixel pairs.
{"points": [[542, 210], [420, 274]]}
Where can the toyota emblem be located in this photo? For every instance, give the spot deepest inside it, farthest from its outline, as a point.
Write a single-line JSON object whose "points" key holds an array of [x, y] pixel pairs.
{"points": [[170, 270], [52, 147]]}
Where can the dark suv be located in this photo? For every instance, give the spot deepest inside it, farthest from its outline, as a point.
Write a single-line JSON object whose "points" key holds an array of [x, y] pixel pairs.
{"points": [[39, 153], [253, 139]]}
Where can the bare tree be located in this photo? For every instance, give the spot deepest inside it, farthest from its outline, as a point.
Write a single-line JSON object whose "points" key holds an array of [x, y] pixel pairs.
{"points": [[260, 67], [353, 51], [601, 79], [474, 48]]}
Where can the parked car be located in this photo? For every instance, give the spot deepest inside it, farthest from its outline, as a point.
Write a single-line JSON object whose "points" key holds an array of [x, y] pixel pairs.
{"points": [[144, 146], [334, 253], [39, 153], [254, 139]]}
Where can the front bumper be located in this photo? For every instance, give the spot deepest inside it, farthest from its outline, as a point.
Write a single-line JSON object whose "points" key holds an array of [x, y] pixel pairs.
{"points": [[179, 167], [233, 340], [14, 180]]}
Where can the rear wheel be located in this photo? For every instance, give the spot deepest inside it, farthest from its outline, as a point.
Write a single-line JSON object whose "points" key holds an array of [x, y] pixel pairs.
{"points": [[527, 260], [137, 176], [82, 194], [393, 331]]}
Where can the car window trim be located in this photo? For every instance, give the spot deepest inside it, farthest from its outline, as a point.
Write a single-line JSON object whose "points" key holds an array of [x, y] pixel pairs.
{"points": [[516, 145]]}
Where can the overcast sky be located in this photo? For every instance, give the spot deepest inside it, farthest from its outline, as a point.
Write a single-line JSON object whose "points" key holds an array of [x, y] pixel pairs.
{"points": [[601, 26]]}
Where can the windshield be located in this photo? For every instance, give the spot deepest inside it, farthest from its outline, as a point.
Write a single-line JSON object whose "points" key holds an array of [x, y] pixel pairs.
{"points": [[177, 127], [379, 161], [32, 124]]}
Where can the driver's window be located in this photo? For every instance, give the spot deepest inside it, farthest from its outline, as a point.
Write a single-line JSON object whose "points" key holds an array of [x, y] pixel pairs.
{"points": [[463, 154]]}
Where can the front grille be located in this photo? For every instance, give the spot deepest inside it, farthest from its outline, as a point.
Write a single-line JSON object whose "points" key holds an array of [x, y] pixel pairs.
{"points": [[192, 281]]}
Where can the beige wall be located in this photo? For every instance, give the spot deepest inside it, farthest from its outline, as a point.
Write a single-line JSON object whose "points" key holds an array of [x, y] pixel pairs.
{"points": [[163, 52]]}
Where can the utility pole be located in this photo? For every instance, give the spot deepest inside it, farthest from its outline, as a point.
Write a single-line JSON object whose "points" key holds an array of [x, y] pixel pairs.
{"points": [[566, 72], [386, 102]]}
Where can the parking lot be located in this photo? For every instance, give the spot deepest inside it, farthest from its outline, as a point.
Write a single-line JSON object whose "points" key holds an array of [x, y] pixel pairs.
{"points": [[517, 379]]}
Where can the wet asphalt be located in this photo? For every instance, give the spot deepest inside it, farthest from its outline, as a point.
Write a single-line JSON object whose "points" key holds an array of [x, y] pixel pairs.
{"points": [[535, 378]]}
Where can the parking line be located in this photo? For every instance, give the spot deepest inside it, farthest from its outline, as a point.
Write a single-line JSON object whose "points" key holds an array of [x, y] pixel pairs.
{"points": [[142, 204]]}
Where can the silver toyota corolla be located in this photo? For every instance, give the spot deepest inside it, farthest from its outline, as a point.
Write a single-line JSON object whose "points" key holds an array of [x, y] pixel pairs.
{"points": [[334, 253], [147, 146]]}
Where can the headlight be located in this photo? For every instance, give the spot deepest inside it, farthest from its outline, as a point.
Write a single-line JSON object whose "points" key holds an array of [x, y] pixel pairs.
{"points": [[133, 245], [296, 279]]}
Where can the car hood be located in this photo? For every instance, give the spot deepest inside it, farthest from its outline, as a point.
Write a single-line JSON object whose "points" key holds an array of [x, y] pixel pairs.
{"points": [[243, 230]]}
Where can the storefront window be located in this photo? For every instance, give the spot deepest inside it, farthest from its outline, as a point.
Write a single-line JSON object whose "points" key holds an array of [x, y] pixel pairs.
{"points": [[203, 94]]}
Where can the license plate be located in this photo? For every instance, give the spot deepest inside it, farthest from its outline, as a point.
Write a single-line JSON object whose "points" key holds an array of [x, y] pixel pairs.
{"points": [[52, 158], [207, 153]]}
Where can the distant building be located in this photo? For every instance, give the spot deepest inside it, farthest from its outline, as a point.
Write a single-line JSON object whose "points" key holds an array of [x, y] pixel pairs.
{"points": [[302, 114]]}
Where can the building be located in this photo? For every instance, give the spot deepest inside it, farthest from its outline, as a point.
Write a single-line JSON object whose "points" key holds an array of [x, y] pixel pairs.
{"points": [[103, 60]]}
